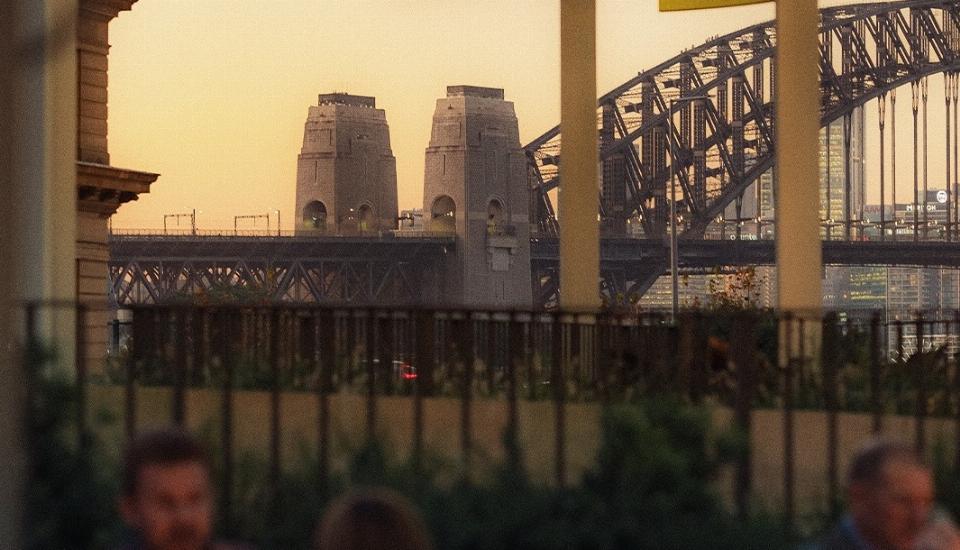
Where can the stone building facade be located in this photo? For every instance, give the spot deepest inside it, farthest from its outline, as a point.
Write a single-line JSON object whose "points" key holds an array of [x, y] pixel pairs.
{"points": [[101, 188]]}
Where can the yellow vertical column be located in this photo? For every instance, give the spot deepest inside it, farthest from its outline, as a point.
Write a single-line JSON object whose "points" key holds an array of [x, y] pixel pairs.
{"points": [[38, 127], [11, 378], [579, 199], [799, 254]]}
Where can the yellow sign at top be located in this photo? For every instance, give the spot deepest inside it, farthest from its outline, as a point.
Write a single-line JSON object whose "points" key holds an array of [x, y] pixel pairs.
{"points": [[678, 5]]}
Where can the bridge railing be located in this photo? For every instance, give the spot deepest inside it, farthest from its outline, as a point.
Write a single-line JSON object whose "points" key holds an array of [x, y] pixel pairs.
{"points": [[267, 233], [761, 370]]}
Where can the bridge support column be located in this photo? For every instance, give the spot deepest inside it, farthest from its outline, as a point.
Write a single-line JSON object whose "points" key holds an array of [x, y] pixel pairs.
{"points": [[579, 231], [38, 126], [799, 255]]}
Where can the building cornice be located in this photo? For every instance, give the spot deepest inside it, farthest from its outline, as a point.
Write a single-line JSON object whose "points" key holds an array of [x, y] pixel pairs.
{"points": [[105, 9], [101, 189]]}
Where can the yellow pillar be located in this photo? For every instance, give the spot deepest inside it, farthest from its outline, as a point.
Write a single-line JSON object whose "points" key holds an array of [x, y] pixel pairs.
{"points": [[799, 253], [38, 121], [579, 202]]}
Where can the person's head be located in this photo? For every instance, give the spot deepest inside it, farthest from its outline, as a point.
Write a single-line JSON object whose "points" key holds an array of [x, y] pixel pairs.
{"points": [[890, 494], [166, 494], [372, 520]]}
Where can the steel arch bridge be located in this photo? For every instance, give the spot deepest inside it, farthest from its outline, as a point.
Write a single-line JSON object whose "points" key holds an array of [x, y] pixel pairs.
{"points": [[719, 146]]}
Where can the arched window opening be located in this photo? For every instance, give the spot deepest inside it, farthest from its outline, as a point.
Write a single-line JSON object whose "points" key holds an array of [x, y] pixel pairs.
{"points": [[494, 216], [365, 219], [443, 214], [315, 216]]}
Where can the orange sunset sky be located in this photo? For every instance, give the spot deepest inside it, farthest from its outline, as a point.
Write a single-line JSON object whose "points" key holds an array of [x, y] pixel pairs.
{"points": [[213, 94]]}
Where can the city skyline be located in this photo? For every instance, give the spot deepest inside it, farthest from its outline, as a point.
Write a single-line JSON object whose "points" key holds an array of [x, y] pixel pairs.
{"points": [[214, 97]]}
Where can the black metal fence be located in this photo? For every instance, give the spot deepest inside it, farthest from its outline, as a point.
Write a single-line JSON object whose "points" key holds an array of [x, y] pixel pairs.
{"points": [[743, 360]]}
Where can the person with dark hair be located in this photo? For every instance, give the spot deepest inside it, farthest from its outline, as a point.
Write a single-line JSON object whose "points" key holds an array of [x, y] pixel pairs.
{"points": [[166, 494], [372, 520], [890, 499]]}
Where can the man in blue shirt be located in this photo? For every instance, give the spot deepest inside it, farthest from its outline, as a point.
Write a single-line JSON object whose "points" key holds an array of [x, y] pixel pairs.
{"points": [[890, 503]]}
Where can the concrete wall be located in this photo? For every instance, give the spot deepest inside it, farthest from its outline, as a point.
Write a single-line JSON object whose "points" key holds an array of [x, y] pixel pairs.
{"points": [[299, 413], [475, 159], [347, 164]]}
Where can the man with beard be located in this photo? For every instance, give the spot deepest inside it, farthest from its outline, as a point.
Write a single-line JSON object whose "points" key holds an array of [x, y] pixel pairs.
{"points": [[166, 494]]}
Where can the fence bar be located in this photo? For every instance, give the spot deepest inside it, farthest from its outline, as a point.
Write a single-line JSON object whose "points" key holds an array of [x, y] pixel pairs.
{"points": [[324, 335], [518, 356], [830, 357], [920, 379], [275, 320], [81, 358], [788, 436], [115, 336], [876, 393], [490, 350], [956, 389], [178, 320], [385, 347], [228, 322], [746, 381], [143, 350], [463, 342], [371, 354], [557, 382], [424, 380], [608, 339], [536, 334]]}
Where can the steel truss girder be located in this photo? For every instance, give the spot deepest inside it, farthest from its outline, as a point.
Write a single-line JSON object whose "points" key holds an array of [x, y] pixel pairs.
{"points": [[359, 281]]}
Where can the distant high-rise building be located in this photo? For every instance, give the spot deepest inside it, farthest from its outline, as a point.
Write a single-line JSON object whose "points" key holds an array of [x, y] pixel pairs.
{"points": [[833, 172]]}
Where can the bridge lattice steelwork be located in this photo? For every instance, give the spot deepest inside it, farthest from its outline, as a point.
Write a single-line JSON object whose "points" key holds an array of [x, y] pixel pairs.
{"points": [[720, 146]]}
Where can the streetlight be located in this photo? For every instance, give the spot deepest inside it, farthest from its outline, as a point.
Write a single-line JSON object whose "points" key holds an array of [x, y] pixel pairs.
{"points": [[674, 279]]}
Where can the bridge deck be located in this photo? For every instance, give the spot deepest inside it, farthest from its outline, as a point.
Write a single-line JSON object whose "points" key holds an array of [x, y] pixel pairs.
{"points": [[230, 247], [712, 253]]}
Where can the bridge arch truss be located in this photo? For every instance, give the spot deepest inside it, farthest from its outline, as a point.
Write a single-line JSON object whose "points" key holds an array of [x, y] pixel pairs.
{"points": [[721, 145]]}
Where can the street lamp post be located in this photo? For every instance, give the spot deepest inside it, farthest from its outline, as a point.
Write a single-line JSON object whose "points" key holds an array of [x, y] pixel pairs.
{"points": [[674, 276]]}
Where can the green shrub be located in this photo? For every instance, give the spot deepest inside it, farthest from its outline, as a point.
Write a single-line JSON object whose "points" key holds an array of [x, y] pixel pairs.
{"points": [[70, 500], [650, 488]]}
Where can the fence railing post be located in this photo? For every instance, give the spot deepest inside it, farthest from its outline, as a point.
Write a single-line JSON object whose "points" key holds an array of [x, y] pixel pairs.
{"points": [[829, 359], [370, 341], [558, 384], [463, 340], [744, 357], [228, 323], [956, 391], [179, 321], [519, 355], [325, 333], [920, 381], [788, 427], [81, 377], [423, 386], [275, 319], [876, 374]]}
